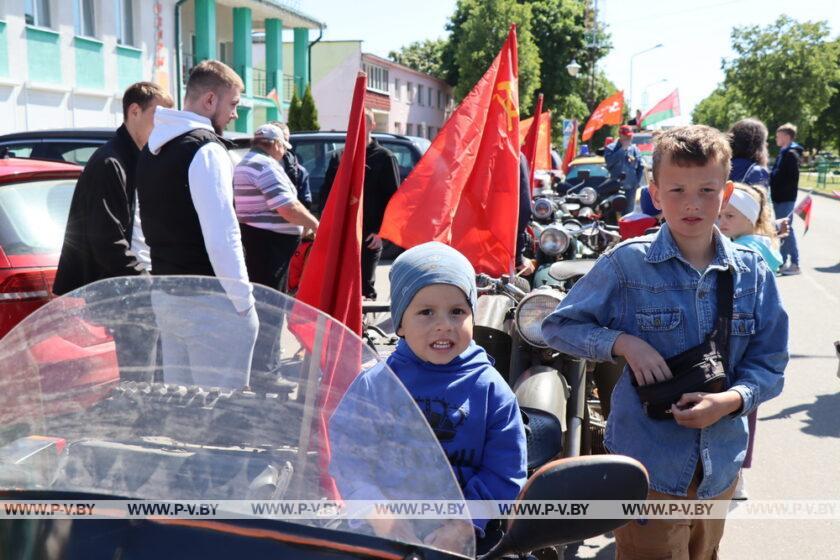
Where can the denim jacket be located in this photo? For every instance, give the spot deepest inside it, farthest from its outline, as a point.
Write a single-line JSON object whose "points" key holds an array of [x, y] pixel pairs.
{"points": [[647, 289]]}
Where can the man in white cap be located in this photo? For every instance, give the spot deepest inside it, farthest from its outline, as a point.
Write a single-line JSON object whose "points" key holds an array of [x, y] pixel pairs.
{"points": [[270, 216]]}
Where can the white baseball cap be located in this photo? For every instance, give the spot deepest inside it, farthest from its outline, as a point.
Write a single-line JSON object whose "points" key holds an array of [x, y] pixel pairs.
{"points": [[272, 132]]}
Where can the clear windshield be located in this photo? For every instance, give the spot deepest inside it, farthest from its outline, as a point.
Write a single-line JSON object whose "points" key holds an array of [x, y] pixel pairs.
{"points": [[158, 388]]}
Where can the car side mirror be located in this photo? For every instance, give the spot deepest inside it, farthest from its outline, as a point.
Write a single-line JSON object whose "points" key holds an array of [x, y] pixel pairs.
{"points": [[589, 478]]}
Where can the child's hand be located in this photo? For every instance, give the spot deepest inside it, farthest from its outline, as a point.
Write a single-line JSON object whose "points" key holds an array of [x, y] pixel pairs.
{"points": [[701, 410], [449, 537], [645, 362]]}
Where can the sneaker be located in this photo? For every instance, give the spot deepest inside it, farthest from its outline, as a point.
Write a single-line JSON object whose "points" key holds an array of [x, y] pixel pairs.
{"points": [[791, 270], [740, 491]]}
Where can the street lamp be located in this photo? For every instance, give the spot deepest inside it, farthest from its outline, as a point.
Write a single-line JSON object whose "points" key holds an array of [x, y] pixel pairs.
{"points": [[630, 98], [573, 68]]}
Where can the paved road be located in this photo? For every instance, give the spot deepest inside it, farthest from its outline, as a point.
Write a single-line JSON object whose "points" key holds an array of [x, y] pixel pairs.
{"points": [[797, 453]]}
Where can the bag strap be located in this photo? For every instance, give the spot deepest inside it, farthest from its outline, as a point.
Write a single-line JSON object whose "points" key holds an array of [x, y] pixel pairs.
{"points": [[725, 300]]}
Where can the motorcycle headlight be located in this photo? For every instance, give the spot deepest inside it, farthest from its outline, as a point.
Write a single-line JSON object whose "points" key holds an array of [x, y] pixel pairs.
{"points": [[543, 209], [588, 196], [554, 240], [530, 313]]}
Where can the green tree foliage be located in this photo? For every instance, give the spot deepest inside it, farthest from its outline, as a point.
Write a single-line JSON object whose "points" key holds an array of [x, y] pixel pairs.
{"points": [[309, 113], [423, 56], [784, 72], [482, 35], [721, 109], [294, 117], [302, 112], [827, 127]]}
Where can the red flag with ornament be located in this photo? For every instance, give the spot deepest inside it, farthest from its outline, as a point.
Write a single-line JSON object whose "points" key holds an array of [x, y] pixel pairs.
{"points": [[571, 149], [465, 190], [332, 282], [608, 112], [803, 210], [530, 143]]}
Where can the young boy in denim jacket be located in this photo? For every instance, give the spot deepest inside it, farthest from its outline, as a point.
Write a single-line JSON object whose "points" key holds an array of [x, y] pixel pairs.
{"points": [[654, 297]]}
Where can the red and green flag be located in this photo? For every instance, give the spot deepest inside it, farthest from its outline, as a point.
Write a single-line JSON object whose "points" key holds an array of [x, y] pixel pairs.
{"points": [[665, 109], [803, 210]]}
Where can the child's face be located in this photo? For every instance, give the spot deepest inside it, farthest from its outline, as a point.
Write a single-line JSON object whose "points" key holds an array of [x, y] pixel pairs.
{"points": [[733, 224], [690, 197], [437, 324]]}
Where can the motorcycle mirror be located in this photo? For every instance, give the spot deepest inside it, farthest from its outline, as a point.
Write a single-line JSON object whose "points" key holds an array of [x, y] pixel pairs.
{"points": [[597, 477], [619, 203]]}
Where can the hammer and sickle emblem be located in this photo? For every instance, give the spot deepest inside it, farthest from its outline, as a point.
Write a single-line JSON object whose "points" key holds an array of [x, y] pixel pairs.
{"points": [[506, 101]]}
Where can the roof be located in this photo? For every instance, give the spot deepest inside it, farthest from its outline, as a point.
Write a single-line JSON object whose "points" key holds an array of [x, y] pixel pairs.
{"points": [[104, 134], [279, 9], [588, 160]]}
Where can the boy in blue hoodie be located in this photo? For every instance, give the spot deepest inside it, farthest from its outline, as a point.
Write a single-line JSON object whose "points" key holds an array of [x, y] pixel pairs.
{"points": [[467, 403], [654, 297]]}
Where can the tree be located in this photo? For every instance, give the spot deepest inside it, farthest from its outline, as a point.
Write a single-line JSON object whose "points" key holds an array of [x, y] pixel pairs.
{"points": [[423, 56], [721, 109], [294, 117], [481, 37], [827, 127], [309, 113], [784, 72]]}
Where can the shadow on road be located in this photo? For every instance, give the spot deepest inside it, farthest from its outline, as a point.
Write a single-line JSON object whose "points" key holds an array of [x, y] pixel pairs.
{"points": [[829, 269], [822, 418]]}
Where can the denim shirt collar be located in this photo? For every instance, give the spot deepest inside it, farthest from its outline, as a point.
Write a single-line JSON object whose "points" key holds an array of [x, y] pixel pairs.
{"points": [[664, 247]]}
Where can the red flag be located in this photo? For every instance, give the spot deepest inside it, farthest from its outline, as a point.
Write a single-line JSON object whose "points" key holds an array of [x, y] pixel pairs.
{"points": [[571, 149], [465, 190], [543, 160], [529, 146], [608, 112], [665, 109], [803, 210], [332, 278]]}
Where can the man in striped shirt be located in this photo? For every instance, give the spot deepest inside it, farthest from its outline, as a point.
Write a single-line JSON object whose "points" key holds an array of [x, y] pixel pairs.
{"points": [[270, 216]]}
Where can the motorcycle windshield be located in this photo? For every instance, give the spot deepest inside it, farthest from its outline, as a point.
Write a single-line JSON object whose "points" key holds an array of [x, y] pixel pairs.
{"points": [[170, 388]]}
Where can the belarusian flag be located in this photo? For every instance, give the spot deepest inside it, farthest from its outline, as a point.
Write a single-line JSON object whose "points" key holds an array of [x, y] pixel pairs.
{"points": [[803, 210], [665, 109]]}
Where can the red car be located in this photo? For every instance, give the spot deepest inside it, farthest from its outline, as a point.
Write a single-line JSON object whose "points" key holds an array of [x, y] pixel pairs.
{"points": [[34, 203]]}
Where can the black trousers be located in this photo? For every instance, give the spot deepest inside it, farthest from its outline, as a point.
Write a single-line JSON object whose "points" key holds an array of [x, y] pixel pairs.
{"points": [[370, 259], [267, 255]]}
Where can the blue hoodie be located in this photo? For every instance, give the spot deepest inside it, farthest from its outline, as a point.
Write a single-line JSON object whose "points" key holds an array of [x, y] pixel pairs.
{"points": [[749, 172], [468, 405]]}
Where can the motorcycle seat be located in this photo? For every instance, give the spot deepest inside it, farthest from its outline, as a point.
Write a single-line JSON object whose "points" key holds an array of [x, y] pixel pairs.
{"points": [[544, 436], [564, 270]]}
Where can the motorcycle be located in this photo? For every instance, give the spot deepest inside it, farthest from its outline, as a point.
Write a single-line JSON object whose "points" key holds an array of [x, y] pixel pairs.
{"points": [[72, 428]]}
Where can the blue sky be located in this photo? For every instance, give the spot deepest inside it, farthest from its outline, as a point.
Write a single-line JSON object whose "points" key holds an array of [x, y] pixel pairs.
{"points": [[695, 35]]}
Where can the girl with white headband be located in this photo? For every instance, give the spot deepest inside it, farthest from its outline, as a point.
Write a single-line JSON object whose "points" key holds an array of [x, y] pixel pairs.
{"points": [[747, 221]]}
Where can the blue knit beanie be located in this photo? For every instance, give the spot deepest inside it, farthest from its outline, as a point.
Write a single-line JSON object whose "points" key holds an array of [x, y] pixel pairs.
{"points": [[424, 265]]}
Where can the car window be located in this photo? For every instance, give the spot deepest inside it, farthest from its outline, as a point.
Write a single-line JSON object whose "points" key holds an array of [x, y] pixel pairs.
{"points": [[22, 150], [80, 155], [595, 170], [406, 158], [33, 216]]}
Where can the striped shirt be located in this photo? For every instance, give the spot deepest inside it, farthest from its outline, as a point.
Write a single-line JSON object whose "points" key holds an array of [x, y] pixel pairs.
{"points": [[260, 186]]}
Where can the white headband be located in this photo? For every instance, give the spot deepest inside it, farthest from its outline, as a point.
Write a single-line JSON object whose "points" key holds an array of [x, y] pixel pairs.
{"points": [[745, 204]]}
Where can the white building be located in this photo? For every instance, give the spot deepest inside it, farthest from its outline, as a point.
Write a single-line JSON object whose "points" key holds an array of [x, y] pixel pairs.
{"points": [[65, 63]]}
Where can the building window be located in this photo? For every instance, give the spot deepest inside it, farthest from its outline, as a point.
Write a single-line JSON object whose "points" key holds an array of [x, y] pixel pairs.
{"points": [[226, 52], [419, 94], [429, 98], [409, 129], [431, 132], [397, 95], [440, 99], [397, 128], [124, 11], [37, 12], [410, 93], [377, 78], [83, 18]]}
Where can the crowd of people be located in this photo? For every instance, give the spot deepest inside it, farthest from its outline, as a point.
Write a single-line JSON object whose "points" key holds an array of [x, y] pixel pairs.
{"points": [[163, 197]]}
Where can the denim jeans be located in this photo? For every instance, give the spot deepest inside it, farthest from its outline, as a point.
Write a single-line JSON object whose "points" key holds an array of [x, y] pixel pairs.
{"points": [[788, 245]]}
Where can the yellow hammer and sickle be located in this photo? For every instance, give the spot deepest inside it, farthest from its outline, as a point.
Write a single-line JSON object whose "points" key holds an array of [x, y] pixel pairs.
{"points": [[511, 110]]}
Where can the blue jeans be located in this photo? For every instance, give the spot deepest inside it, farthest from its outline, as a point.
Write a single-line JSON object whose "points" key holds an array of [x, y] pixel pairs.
{"points": [[788, 245], [630, 192]]}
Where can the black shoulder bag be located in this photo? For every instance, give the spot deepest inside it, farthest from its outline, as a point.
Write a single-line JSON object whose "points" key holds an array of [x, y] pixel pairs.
{"points": [[698, 369]]}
